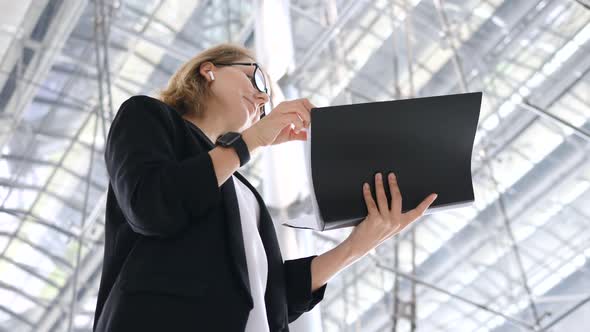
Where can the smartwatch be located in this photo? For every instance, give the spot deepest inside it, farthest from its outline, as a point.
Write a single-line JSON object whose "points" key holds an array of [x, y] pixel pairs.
{"points": [[235, 140]]}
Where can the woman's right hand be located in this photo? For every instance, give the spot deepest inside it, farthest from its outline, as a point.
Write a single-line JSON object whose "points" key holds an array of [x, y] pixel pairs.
{"points": [[275, 128], [382, 221]]}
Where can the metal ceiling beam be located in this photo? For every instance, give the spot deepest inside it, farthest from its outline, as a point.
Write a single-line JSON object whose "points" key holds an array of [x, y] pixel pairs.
{"points": [[35, 201], [89, 268], [60, 103], [16, 315], [382, 324], [30, 270], [488, 44], [179, 54], [583, 133], [20, 292], [56, 259], [569, 162], [28, 15], [59, 163], [351, 8], [566, 314], [514, 320], [553, 270], [38, 220], [38, 189], [96, 185], [52, 314], [62, 23], [41, 87]]}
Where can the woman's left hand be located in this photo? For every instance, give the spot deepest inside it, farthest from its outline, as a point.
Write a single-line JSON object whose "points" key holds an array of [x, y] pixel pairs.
{"points": [[382, 222]]}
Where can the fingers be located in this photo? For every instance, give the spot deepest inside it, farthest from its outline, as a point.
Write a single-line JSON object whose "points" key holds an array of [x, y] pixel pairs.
{"points": [[381, 197], [300, 106], [418, 211], [294, 119], [396, 196], [294, 112], [305, 107], [371, 206], [301, 136], [307, 104]]}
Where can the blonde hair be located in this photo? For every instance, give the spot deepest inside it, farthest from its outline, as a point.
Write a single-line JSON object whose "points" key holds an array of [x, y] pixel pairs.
{"points": [[187, 89]]}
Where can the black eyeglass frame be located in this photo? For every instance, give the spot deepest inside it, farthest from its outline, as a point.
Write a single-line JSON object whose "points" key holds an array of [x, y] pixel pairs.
{"points": [[252, 79]]}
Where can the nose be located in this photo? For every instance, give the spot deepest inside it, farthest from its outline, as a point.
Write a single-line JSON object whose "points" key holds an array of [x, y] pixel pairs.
{"points": [[261, 98]]}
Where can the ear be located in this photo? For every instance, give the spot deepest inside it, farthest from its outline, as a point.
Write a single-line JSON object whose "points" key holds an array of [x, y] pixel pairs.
{"points": [[205, 68]]}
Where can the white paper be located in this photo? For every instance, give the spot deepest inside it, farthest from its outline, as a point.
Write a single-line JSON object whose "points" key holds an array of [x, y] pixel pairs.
{"points": [[311, 220], [305, 221]]}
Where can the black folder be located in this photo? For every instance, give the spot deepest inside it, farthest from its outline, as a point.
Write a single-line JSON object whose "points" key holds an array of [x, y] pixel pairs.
{"points": [[427, 142]]}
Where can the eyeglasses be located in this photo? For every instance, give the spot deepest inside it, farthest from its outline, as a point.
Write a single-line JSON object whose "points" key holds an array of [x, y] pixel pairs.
{"points": [[257, 78]]}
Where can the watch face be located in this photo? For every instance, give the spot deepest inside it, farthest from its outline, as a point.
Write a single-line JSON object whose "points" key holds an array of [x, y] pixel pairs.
{"points": [[228, 138]]}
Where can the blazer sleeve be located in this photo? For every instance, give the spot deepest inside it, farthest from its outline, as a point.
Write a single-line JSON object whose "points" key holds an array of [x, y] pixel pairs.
{"points": [[158, 194], [300, 298]]}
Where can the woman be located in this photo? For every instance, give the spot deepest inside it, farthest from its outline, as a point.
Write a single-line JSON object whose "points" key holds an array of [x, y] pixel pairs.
{"points": [[189, 243]]}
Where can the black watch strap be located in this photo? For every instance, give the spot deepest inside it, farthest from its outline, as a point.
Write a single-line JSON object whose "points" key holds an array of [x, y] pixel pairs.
{"points": [[235, 140]]}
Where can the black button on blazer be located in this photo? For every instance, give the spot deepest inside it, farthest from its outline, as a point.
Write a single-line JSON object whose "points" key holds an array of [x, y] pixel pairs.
{"points": [[174, 255]]}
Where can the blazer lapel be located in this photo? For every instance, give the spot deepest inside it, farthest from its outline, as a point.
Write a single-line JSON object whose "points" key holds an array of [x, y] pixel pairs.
{"points": [[275, 281], [236, 239], [234, 224], [267, 229], [274, 296]]}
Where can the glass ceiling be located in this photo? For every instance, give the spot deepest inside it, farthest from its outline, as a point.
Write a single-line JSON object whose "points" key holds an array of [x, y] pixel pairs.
{"points": [[518, 259]]}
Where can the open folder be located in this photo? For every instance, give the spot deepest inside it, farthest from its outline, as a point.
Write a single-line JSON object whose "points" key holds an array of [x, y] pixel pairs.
{"points": [[426, 142]]}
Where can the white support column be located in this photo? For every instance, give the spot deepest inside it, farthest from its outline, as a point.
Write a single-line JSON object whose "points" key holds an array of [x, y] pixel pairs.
{"points": [[284, 165]]}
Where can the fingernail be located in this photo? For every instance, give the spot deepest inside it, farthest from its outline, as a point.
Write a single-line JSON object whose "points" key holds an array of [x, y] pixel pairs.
{"points": [[435, 196], [391, 176], [378, 176], [366, 185]]}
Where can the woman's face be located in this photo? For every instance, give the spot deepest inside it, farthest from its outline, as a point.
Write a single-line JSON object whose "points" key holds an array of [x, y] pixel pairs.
{"points": [[233, 90]]}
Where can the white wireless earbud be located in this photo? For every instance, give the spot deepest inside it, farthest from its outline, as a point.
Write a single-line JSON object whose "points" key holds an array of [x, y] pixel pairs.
{"points": [[211, 75]]}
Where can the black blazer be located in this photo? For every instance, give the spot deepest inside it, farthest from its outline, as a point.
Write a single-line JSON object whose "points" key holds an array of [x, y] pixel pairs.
{"points": [[174, 254]]}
